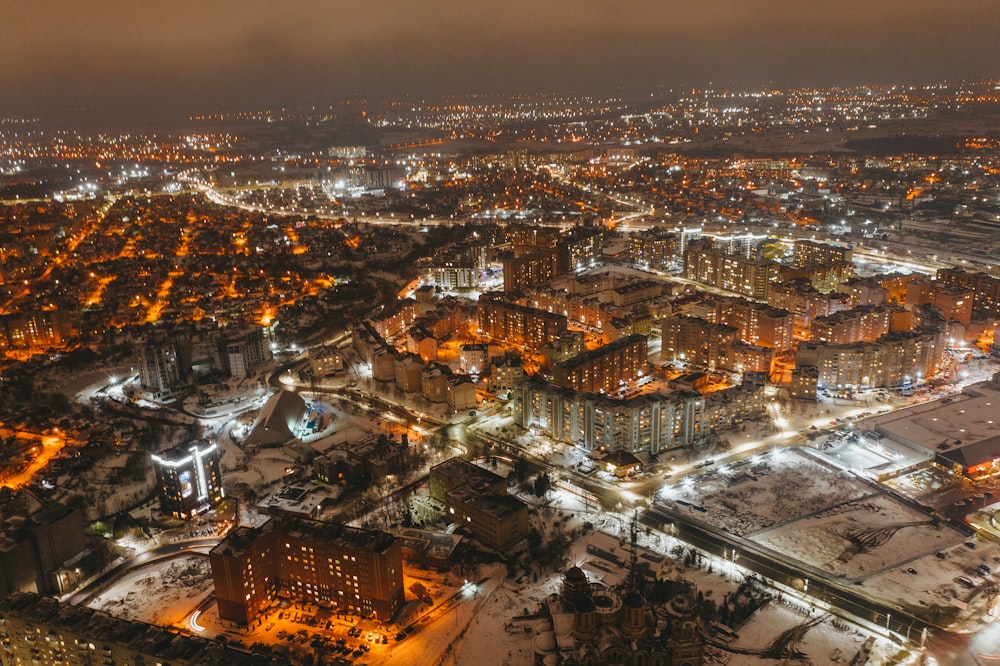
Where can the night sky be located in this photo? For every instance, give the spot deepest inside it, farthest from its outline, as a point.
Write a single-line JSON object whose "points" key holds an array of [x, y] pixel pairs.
{"points": [[121, 59]]}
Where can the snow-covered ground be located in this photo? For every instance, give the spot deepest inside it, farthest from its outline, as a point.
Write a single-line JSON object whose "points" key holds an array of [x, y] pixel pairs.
{"points": [[604, 556], [933, 587], [831, 521], [767, 490], [855, 539], [160, 593]]}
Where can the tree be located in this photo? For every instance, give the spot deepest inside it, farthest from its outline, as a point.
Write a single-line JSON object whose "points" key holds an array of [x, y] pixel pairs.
{"points": [[542, 484], [59, 403]]}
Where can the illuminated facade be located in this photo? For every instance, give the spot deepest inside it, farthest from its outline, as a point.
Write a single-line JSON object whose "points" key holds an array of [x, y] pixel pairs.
{"points": [[878, 289], [897, 359], [517, 324], [597, 310], [351, 569], [473, 359], [955, 302], [39, 330], [805, 302], [757, 323], [986, 288], [734, 272], [655, 248], [812, 253], [823, 277], [459, 266], [862, 324], [563, 348], [243, 350], [697, 341], [648, 422], [326, 361], [189, 479], [505, 372], [605, 369], [527, 270], [580, 249], [389, 321], [456, 275], [847, 366]]}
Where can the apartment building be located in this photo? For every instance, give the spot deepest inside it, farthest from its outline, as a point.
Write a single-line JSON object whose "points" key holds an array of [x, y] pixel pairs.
{"points": [[354, 570]]}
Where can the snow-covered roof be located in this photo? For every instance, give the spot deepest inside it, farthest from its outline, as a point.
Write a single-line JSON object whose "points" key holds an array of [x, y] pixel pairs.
{"points": [[965, 427]]}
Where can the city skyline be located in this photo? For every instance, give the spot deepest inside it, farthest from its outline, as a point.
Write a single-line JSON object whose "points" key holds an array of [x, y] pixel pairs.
{"points": [[410, 333], [131, 64]]}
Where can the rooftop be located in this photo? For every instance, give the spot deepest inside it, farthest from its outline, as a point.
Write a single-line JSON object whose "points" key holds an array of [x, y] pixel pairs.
{"points": [[466, 472], [969, 419], [242, 539]]}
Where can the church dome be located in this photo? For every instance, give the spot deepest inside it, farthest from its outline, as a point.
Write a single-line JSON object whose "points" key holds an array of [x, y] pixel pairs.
{"points": [[634, 600]]}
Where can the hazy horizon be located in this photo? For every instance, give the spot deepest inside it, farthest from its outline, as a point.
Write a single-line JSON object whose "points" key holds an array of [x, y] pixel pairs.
{"points": [[132, 63]]}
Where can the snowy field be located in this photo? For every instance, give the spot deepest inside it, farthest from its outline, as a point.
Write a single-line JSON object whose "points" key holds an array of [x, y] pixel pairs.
{"points": [[159, 594], [856, 539], [832, 522], [766, 491]]}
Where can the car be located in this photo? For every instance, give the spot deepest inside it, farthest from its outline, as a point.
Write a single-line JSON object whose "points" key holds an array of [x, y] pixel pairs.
{"points": [[358, 652], [385, 639], [400, 636], [912, 571], [964, 581], [365, 647], [940, 556], [970, 544]]}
